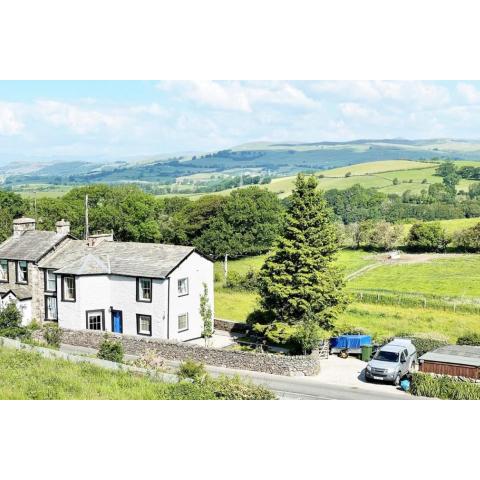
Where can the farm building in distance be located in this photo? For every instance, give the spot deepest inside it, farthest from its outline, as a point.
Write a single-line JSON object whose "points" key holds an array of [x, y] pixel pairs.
{"points": [[454, 360]]}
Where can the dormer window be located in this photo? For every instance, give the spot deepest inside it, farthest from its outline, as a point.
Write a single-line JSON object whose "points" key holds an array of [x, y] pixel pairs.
{"points": [[22, 271], [3, 270]]}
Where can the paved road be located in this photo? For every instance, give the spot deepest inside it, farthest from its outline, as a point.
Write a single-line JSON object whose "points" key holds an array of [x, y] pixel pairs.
{"points": [[290, 388]]}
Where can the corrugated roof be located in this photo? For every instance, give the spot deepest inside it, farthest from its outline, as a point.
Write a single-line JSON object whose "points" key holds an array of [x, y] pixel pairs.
{"points": [[456, 354], [31, 245], [155, 260]]}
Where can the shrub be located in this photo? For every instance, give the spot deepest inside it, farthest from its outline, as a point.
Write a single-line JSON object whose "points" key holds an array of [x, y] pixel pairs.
{"points": [[425, 342], [52, 335], [250, 281], [308, 335], [189, 369], [442, 386], [278, 332], [468, 240], [471, 338], [11, 323], [149, 360], [110, 349], [234, 388], [427, 237], [261, 317]]}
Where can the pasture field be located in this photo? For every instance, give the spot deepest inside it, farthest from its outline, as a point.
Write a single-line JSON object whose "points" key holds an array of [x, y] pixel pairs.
{"points": [[454, 276]]}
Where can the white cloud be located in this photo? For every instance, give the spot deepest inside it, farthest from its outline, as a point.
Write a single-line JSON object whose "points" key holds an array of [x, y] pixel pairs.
{"points": [[10, 123], [411, 93], [469, 92], [78, 119], [237, 96]]}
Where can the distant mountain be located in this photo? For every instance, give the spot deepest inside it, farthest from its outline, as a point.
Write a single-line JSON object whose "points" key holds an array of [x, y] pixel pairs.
{"points": [[277, 159]]}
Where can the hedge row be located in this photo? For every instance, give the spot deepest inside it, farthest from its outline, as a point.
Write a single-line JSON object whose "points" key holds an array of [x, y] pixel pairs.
{"points": [[444, 387]]}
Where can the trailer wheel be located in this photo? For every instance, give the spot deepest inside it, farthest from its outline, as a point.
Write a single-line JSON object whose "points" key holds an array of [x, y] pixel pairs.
{"points": [[343, 354]]}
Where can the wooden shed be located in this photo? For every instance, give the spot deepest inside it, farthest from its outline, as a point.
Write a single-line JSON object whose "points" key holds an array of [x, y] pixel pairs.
{"points": [[454, 360]]}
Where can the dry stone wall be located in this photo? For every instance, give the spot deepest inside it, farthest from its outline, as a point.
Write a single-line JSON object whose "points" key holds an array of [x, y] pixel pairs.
{"points": [[172, 350]]}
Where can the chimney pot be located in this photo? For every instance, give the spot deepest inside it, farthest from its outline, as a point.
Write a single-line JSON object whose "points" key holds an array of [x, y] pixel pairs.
{"points": [[22, 225], [63, 227]]}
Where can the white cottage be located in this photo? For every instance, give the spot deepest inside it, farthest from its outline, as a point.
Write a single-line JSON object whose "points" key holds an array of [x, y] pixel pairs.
{"points": [[133, 288]]}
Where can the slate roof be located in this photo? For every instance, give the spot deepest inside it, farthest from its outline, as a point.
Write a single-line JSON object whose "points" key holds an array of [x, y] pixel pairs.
{"points": [[22, 292], [456, 354], [135, 259], [31, 245]]}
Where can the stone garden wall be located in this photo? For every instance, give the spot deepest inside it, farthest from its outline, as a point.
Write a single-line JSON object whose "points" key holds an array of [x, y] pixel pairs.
{"points": [[229, 326], [172, 350]]}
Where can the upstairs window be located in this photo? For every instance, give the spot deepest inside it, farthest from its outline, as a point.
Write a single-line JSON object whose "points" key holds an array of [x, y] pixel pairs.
{"points": [[50, 281], [183, 287], [68, 288], [22, 271], [144, 290], [3, 270]]}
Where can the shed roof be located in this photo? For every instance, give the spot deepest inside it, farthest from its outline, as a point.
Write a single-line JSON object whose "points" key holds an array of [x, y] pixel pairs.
{"points": [[455, 354], [22, 292], [154, 260], [31, 245]]}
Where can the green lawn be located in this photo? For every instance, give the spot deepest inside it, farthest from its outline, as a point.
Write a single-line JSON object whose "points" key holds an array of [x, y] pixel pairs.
{"points": [[386, 320], [236, 305], [455, 276], [25, 375]]}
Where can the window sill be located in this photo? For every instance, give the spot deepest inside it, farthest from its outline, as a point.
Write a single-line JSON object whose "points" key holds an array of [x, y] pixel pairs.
{"points": [[184, 330], [145, 334], [139, 300], [70, 301]]}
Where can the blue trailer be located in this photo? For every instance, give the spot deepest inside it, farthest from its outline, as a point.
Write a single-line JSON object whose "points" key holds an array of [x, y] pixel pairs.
{"points": [[345, 345]]}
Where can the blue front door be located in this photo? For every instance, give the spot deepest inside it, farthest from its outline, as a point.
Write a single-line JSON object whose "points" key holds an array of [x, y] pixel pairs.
{"points": [[117, 321]]}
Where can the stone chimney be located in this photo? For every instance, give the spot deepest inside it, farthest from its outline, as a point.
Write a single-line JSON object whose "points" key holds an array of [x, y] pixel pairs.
{"points": [[94, 240], [63, 227], [22, 225]]}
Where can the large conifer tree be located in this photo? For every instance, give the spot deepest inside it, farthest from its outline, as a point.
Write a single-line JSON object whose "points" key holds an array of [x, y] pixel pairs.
{"points": [[299, 278]]}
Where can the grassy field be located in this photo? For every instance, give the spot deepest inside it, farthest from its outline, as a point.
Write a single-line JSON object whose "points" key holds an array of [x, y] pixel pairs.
{"points": [[25, 375], [386, 320], [458, 277], [450, 277]]}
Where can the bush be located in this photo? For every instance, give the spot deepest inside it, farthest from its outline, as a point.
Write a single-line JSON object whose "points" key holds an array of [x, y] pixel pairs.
{"points": [[469, 339], [192, 370], [427, 237], [468, 240], [110, 349], [234, 388], [149, 360], [52, 335], [278, 332], [260, 317], [308, 335], [444, 387], [425, 342], [250, 281], [11, 323]]}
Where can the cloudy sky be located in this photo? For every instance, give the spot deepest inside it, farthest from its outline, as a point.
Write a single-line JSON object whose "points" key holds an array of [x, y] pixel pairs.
{"points": [[43, 120]]}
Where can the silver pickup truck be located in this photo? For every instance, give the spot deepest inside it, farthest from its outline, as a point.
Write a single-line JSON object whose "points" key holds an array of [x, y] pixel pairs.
{"points": [[392, 361]]}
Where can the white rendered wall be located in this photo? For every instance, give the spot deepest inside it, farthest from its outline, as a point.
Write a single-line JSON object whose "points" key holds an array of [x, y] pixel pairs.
{"points": [[198, 270]]}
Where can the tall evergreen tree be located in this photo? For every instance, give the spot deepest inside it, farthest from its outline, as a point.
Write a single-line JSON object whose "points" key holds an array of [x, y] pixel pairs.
{"points": [[300, 276]]}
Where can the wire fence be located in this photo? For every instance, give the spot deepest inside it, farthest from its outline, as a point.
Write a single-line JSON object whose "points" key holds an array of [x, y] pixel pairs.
{"points": [[417, 300]]}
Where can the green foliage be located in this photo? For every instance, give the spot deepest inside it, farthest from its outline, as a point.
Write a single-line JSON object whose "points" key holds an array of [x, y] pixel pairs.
{"points": [[234, 388], [246, 224], [110, 349], [426, 342], [11, 323], [308, 334], [427, 237], [472, 338], [278, 333], [249, 281], [260, 317], [468, 240], [444, 387], [189, 369], [206, 314], [52, 335], [300, 275]]}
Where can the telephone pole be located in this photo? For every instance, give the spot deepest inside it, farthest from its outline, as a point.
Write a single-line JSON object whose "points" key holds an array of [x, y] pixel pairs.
{"points": [[86, 217]]}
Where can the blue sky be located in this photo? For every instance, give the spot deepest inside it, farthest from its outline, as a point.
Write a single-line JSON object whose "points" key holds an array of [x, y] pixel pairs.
{"points": [[119, 119]]}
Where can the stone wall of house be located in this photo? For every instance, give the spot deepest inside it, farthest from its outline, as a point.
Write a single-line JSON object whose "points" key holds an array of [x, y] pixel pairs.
{"points": [[36, 280], [172, 350], [229, 326]]}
